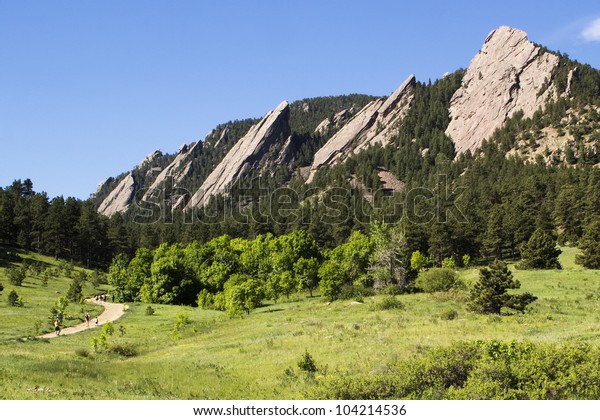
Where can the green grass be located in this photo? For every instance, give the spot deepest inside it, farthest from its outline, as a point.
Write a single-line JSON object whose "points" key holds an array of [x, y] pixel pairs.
{"points": [[16, 322], [255, 357]]}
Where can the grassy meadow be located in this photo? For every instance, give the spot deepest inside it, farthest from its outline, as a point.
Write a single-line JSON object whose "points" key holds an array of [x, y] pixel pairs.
{"points": [[213, 356]]}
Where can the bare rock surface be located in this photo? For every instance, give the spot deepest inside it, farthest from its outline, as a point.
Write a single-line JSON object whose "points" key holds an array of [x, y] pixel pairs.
{"points": [[248, 150], [372, 124], [119, 199], [177, 169], [506, 76]]}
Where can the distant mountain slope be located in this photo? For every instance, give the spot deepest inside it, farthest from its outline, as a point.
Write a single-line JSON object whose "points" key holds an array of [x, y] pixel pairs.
{"points": [[535, 103]]}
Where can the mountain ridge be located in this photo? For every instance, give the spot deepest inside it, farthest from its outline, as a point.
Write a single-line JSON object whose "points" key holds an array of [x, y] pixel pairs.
{"points": [[509, 77]]}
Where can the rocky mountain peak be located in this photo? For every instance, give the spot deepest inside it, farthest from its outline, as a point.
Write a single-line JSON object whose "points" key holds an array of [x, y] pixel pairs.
{"points": [[505, 76], [372, 124], [271, 130]]}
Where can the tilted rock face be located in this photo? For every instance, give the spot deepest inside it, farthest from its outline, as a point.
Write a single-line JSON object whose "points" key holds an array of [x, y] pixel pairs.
{"points": [[119, 199], [178, 169], [503, 78], [248, 151], [374, 123]]}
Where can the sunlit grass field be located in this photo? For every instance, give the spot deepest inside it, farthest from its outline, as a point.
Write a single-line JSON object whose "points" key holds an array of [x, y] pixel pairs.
{"points": [[256, 357]]}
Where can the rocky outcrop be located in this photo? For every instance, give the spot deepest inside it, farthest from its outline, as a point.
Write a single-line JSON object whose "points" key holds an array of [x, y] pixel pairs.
{"points": [[375, 123], [177, 170], [245, 154], [119, 198], [151, 158], [335, 122], [504, 77]]}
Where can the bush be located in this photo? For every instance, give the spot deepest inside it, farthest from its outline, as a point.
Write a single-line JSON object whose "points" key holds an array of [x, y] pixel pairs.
{"points": [[387, 303], [481, 370], [438, 280], [392, 290], [82, 352], [125, 350], [355, 293], [449, 263], [16, 275], [149, 310], [205, 299], [307, 363], [449, 315], [14, 299]]}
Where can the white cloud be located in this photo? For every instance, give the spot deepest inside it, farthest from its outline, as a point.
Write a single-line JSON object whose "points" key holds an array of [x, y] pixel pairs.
{"points": [[592, 31]]}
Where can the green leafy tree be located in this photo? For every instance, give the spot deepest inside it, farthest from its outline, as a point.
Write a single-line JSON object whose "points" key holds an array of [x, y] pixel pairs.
{"points": [[540, 251], [417, 261], [118, 279], [489, 294], [171, 280], [331, 277], [306, 270], [389, 257], [243, 295], [590, 246]]}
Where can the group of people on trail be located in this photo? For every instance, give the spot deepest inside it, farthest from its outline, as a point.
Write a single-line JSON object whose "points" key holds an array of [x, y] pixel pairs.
{"points": [[58, 322], [87, 319], [102, 298]]}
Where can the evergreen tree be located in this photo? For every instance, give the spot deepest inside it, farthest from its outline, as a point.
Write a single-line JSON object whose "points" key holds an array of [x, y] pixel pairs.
{"points": [[540, 252], [489, 294], [590, 246]]}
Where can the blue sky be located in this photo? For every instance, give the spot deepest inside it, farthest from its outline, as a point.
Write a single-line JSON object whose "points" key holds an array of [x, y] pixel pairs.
{"points": [[89, 88]]}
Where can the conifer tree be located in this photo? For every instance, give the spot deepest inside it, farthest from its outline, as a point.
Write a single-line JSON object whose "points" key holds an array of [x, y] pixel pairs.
{"points": [[590, 246], [489, 295], [540, 252]]}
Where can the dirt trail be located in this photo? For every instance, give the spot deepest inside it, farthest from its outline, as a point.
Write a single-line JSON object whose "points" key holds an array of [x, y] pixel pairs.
{"points": [[112, 312]]}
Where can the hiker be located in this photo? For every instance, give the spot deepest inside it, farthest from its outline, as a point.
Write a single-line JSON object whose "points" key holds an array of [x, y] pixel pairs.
{"points": [[96, 321], [113, 298], [56, 327], [87, 319], [60, 318]]}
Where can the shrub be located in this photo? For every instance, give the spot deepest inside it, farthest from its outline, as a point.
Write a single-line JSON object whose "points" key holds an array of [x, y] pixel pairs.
{"points": [[449, 263], [125, 350], [449, 315], [14, 299], [82, 352], [481, 370], [438, 280], [307, 363], [466, 260], [417, 261], [355, 293], [205, 299], [387, 303], [16, 275]]}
